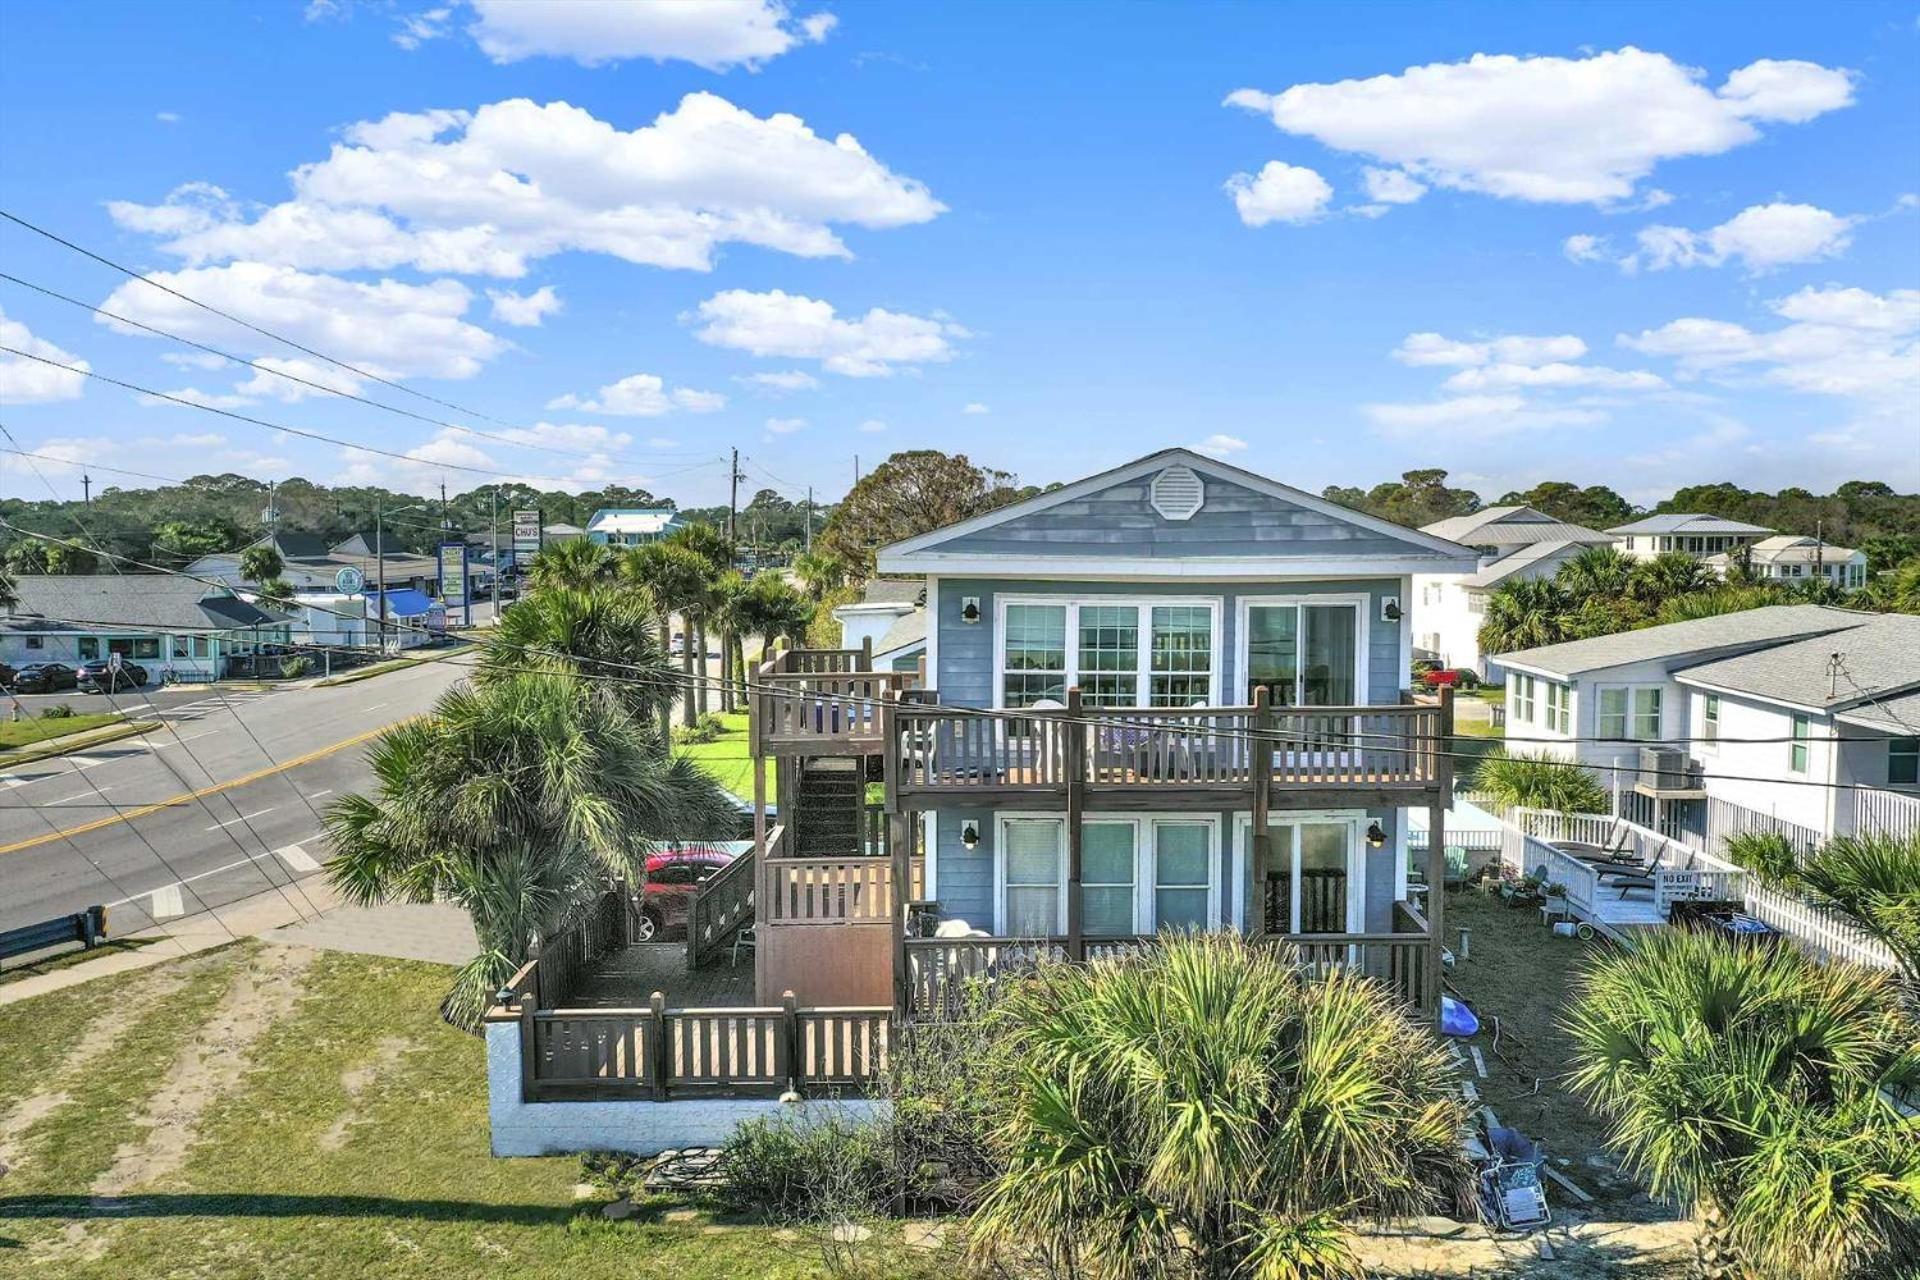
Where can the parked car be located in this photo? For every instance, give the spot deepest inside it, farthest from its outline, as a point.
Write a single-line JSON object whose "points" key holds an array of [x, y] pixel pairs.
{"points": [[673, 877], [7, 675], [45, 677], [98, 676]]}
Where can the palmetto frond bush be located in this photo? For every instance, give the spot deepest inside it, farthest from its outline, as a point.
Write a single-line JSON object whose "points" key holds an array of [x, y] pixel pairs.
{"points": [[1539, 781], [1746, 1083], [522, 801], [1874, 879], [604, 636], [1207, 1110], [1524, 614]]}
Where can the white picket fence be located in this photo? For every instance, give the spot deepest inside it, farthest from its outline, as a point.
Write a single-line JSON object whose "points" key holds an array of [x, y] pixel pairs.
{"points": [[1815, 929]]}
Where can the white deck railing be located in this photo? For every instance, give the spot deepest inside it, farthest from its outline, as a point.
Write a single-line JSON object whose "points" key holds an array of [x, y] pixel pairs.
{"points": [[1892, 813]]}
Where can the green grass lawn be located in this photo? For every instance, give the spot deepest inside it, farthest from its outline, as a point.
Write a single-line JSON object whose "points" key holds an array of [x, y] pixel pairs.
{"points": [[727, 759], [24, 733], [349, 1141]]}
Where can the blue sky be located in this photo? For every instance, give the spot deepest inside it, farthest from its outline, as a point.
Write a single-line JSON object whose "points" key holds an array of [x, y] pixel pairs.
{"points": [[1633, 244]]}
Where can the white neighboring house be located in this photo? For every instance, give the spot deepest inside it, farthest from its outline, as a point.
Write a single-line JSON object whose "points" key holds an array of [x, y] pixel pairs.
{"points": [[1788, 557], [1515, 543], [885, 603], [1841, 709], [1697, 535]]}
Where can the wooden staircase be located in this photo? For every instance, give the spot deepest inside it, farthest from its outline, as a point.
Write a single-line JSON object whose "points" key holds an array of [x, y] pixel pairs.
{"points": [[828, 813]]}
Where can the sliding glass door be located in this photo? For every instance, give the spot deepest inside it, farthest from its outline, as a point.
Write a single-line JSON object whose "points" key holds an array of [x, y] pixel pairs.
{"points": [[1311, 880], [1304, 655]]}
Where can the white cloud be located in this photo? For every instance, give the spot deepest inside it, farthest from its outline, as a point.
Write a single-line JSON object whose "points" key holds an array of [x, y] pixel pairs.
{"points": [[264, 383], [202, 440], [975, 408], [1281, 192], [1220, 446], [794, 327], [1476, 416], [418, 28], [1562, 130], [641, 395], [167, 117], [194, 360], [715, 34], [789, 380], [194, 396], [873, 426], [1583, 248], [1392, 186], [525, 310], [489, 191], [1494, 377], [24, 381], [785, 426], [1436, 349], [1838, 342], [1760, 238], [59, 456], [388, 328]]}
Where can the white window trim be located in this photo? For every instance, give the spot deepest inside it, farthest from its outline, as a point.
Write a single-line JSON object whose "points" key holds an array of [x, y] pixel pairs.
{"points": [[1360, 602], [1144, 879], [1599, 711], [1709, 743], [1355, 819], [1144, 664]]}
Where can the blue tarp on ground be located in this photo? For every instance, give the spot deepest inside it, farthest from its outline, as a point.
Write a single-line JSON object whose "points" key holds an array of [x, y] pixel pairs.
{"points": [[403, 602]]}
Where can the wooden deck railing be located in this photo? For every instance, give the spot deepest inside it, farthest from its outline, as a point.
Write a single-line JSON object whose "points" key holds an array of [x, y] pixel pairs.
{"points": [[820, 701], [722, 904], [949, 977], [553, 975], [800, 891], [938, 750], [658, 1054]]}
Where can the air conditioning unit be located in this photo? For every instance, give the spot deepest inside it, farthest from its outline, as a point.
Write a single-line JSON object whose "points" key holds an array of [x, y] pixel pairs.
{"points": [[1665, 768]]}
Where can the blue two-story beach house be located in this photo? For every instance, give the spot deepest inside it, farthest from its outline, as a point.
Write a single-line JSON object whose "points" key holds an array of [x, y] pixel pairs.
{"points": [[1169, 696]]}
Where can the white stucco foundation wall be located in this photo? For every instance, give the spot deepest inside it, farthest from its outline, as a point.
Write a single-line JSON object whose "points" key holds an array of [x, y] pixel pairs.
{"points": [[635, 1128]]}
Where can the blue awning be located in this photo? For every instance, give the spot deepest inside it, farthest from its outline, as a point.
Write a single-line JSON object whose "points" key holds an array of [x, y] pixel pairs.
{"points": [[403, 603]]}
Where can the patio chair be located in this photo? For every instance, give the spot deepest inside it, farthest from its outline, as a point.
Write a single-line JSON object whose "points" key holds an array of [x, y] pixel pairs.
{"points": [[744, 940]]}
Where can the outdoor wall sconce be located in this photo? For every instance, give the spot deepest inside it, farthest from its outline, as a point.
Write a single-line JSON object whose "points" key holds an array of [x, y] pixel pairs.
{"points": [[1390, 609], [969, 608], [970, 835], [1376, 836]]}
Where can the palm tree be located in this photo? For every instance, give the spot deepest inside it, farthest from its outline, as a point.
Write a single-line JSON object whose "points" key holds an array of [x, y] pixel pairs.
{"points": [[1207, 1110], [1669, 574], [1746, 1082], [1713, 603], [1874, 879], [727, 602], [602, 636], [1598, 572], [578, 563], [819, 572], [672, 579], [1523, 615], [777, 611], [523, 800], [1539, 781], [261, 563], [708, 542]]}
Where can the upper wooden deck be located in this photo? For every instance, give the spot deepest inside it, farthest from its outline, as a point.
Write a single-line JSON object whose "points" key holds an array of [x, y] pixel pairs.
{"points": [[821, 702]]}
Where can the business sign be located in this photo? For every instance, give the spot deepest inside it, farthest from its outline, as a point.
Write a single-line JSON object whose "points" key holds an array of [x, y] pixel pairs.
{"points": [[528, 530], [349, 581], [453, 578]]}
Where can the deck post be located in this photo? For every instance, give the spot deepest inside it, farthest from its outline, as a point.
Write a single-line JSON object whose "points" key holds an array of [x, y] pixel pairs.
{"points": [[760, 807], [1437, 848], [900, 845], [1260, 770], [866, 654], [788, 1046], [1076, 830], [529, 1051], [661, 1045]]}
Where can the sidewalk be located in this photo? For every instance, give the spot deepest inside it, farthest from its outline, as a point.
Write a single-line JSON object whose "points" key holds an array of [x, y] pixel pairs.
{"points": [[434, 932]]}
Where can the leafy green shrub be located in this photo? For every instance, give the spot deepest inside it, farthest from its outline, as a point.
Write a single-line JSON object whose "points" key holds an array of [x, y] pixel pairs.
{"points": [[1767, 854], [59, 711], [1540, 782], [806, 1169], [295, 667], [948, 1082]]}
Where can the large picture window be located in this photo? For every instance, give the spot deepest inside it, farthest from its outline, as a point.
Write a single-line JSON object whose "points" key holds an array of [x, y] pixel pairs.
{"points": [[1630, 714], [1107, 870], [1182, 874], [1903, 761], [1035, 877], [1118, 653]]}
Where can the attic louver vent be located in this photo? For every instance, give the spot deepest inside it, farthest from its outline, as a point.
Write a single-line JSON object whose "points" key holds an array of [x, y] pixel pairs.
{"points": [[1177, 493]]}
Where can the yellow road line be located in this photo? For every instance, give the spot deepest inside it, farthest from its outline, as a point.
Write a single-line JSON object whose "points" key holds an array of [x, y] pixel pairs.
{"points": [[189, 797]]}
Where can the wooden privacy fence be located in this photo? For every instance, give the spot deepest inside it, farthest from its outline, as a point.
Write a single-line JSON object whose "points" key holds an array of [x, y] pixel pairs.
{"points": [[661, 1054], [553, 975]]}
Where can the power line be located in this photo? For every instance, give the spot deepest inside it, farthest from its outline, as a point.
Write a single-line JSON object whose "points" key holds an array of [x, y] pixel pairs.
{"points": [[321, 386]]}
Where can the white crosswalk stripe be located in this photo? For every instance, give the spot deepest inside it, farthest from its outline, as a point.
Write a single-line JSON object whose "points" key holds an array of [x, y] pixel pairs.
{"points": [[296, 858], [167, 902]]}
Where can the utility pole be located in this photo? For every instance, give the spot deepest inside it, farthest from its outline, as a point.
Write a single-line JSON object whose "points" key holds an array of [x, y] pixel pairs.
{"points": [[856, 469], [86, 489], [493, 527], [446, 525], [1819, 548], [733, 495], [809, 518]]}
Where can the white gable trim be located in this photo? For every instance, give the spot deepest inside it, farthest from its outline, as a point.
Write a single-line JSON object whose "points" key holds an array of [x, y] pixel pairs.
{"points": [[1204, 467], [1168, 568]]}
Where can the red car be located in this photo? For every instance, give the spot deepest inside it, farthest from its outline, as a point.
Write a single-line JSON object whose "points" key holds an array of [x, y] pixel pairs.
{"points": [[673, 877]]}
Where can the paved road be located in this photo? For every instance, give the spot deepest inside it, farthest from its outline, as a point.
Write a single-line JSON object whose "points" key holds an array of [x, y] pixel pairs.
{"points": [[220, 803]]}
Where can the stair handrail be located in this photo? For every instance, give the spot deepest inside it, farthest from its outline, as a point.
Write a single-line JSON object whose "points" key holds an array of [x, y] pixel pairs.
{"points": [[722, 904]]}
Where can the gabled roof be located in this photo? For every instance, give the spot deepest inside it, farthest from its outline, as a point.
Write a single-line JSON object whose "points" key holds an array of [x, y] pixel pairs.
{"points": [[1534, 554], [134, 602], [631, 519], [1681, 522], [1701, 639], [1380, 545], [1511, 526], [1878, 657], [1788, 548], [907, 632]]}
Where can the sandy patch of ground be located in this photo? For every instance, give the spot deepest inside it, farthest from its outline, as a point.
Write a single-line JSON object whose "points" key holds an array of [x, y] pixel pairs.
{"points": [[356, 1081], [211, 1065], [1570, 1249]]}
